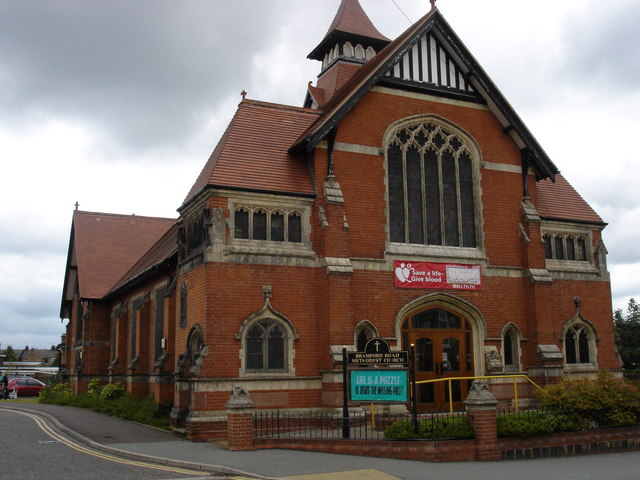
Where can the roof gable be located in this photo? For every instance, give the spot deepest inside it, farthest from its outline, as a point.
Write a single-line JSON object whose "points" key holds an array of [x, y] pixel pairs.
{"points": [[105, 246], [455, 71]]}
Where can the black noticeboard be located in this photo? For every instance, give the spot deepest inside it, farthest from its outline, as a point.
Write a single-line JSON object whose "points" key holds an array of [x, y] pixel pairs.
{"points": [[377, 352]]}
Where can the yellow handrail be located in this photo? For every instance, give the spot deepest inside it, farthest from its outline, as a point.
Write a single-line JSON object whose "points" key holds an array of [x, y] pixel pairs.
{"points": [[449, 379]]}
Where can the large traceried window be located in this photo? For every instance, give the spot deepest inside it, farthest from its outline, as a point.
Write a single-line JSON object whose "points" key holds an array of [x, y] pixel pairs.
{"points": [[431, 187]]}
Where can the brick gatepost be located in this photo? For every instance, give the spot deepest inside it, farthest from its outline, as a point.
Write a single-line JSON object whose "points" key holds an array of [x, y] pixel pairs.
{"points": [[481, 406], [240, 409]]}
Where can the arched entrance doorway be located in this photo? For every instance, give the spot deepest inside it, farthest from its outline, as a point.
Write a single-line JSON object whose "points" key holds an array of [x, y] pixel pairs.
{"points": [[447, 334]]}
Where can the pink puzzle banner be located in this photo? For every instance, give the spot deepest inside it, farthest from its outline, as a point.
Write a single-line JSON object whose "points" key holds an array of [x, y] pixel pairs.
{"points": [[453, 276]]}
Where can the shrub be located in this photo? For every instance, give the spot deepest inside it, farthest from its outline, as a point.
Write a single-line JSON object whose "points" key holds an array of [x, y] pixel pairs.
{"points": [[602, 402], [527, 424], [431, 429], [112, 391], [111, 399], [59, 394]]}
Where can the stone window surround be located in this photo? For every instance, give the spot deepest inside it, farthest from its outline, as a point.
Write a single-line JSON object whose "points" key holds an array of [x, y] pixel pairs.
{"points": [[516, 335], [283, 204], [574, 230], [580, 322]]}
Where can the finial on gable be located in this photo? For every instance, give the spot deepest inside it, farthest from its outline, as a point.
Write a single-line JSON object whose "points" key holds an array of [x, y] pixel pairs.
{"points": [[433, 4], [243, 93]]}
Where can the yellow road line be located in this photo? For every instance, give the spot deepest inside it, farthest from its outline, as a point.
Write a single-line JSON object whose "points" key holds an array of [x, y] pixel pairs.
{"points": [[46, 429], [368, 474]]}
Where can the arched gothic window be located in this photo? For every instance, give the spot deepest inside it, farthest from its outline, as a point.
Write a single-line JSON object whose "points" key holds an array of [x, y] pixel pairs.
{"points": [[364, 332], [579, 344], [269, 225], [431, 187], [511, 349], [565, 247], [266, 347]]}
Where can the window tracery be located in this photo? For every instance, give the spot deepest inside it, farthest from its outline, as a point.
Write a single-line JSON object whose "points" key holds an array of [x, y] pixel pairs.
{"points": [[431, 187]]}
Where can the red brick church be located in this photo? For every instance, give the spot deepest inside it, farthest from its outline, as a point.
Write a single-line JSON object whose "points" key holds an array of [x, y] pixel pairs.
{"points": [[405, 199]]}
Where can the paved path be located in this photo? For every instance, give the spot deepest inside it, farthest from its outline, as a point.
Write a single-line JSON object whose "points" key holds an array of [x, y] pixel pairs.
{"points": [[142, 442]]}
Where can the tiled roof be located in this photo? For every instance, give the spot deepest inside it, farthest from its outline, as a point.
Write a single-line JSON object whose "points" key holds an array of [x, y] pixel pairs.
{"points": [[107, 245], [162, 250], [352, 24], [335, 77], [317, 94], [351, 18], [560, 201], [252, 154]]}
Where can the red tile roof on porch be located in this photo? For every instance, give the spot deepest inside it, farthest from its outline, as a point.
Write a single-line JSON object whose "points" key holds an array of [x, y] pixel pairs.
{"points": [[561, 201], [252, 154]]}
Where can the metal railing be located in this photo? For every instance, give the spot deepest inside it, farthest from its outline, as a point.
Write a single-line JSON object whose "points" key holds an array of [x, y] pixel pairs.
{"points": [[362, 426], [451, 379]]}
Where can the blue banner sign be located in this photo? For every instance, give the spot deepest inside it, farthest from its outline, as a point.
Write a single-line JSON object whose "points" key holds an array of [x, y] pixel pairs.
{"points": [[378, 385]]}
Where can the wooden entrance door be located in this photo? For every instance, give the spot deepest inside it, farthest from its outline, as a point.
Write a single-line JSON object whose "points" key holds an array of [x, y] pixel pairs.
{"points": [[443, 346]]}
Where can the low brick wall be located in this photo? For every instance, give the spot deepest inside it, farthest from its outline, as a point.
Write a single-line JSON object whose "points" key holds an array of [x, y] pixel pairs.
{"points": [[543, 446], [426, 451], [571, 443]]}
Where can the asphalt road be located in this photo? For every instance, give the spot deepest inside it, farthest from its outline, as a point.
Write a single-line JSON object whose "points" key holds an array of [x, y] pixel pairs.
{"points": [[30, 452]]}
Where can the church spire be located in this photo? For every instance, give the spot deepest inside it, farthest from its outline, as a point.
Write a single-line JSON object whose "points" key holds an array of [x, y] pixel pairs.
{"points": [[351, 26]]}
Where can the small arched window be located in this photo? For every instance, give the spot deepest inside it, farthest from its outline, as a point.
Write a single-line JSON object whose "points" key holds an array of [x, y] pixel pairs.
{"points": [[364, 332], [259, 225], [266, 347], [511, 349], [579, 344], [295, 228], [241, 222], [348, 50]]}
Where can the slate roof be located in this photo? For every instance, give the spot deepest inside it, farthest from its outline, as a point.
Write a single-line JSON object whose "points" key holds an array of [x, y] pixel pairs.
{"points": [[105, 246], [253, 154], [560, 201]]}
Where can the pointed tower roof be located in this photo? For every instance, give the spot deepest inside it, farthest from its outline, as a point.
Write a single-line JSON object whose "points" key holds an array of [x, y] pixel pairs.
{"points": [[351, 23]]}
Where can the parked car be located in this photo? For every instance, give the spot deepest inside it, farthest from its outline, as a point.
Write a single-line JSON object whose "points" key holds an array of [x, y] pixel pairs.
{"points": [[24, 387]]}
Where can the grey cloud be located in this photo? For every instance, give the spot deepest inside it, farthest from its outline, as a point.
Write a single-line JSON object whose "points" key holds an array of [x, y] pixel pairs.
{"points": [[602, 45], [143, 72]]}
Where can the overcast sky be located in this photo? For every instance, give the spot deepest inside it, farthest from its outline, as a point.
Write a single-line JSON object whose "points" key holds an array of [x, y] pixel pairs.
{"points": [[117, 105]]}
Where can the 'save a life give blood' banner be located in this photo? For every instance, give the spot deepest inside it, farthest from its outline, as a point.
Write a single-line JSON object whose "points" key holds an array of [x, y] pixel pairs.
{"points": [[453, 276]]}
